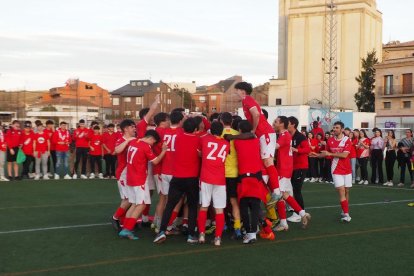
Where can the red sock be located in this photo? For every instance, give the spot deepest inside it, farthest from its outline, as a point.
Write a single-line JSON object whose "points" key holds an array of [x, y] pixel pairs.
{"points": [[119, 213], [294, 204], [130, 223], [185, 220], [345, 206], [201, 222], [146, 210], [273, 177], [122, 219], [219, 224], [172, 218], [281, 209]]}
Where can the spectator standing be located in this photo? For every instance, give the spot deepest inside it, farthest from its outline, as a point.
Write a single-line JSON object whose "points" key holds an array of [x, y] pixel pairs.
{"points": [[390, 157], [26, 140], [62, 139], [405, 149], [12, 139], [377, 156], [109, 139], [41, 149]]}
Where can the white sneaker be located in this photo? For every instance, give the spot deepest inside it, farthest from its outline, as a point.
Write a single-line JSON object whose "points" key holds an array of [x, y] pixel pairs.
{"points": [[57, 177], [217, 241], [249, 238], [320, 179], [312, 180], [294, 218], [37, 177], [390, 184], [306, 180], [46, 177], [280, 228], [400, 185], [385, 184], [75, 176], [67, 177], [32, 175], [361, 182], [3, 178], [50, 175], [346, 218], [305, 220], [91, 176], [202, 238], [100, 176], [366, 182], [83, 176]]}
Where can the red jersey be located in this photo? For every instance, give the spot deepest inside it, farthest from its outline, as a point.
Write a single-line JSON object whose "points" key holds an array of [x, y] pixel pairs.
{"points": [[340, 166], [109, 140], [157, 149], [138, 155], [317, 130], [81, 137], [41, 140], [284, 155], [50, 134], [141, 128], [263, 127], [60, 137], [300, 158], [169, 137], [96, 144], [363, 152], [122, 158], [213, 156], [26, 140], [13, 138], [3, 145], [249, 161], [313, 144], [186, 160]]}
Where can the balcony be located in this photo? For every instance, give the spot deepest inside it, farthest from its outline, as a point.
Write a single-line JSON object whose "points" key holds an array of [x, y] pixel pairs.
{"points": [[396, 91]]}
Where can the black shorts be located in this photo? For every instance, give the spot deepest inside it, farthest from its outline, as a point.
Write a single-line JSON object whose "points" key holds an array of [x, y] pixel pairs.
{"points": [[10, 157], [231, 186]]}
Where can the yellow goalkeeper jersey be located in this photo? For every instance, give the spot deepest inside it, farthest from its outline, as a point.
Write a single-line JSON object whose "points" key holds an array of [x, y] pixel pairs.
{"points": [[231, 160]]}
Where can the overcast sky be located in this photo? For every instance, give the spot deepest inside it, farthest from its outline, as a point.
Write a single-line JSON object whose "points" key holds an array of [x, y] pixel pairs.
{"points": [[45, 42]]}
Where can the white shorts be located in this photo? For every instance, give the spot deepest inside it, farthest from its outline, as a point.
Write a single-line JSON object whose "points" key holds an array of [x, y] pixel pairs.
{"points": [[164, 184], [209, 192], [285, 185], [122, 185], [139, 194], [267, 145], [150, 178], [342, 180]]}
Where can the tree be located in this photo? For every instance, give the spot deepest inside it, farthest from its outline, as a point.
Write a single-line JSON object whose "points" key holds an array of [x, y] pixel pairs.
{"points": [[48, 108], [365, 97], [188, 99]]}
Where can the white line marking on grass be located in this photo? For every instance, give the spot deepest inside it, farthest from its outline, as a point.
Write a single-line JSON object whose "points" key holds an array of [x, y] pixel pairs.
{"points": [[367, 186], [361, 204], [56, 205], [102, 224], [54, 228]]}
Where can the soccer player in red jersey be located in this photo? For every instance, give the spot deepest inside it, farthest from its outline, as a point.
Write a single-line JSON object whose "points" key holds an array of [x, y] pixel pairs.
{"points": [[264, 132], [95, 152], [26, 140], [186, 168], [300, 149], [61, 138], [50, 129], [81, 138], [145, 117], [128, 129], [138, 155], [339, 148], [284, 164], [41, 149], [12, 139], [214, 150], [251, 189], [109, 139]]}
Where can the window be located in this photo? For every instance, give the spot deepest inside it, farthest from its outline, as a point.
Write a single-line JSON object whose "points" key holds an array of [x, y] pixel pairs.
{"points": [[169, 90], [406, 104], [127, 99], [139, 83], [136, 114], [88, 87], [145, 83], [387, 105], [213, 98], [115, 101], [133, 83], [388, 83], [278, 101], [138, 100], [158, 89], [127, 113], [92, 98], [92, 110], [116, 112], [202, 99], [407, 83], [364, 125], [169, 101]]}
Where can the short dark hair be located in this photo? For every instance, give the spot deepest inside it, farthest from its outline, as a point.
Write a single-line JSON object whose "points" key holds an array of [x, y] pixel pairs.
{"points": [[294, 121], [190, 125], [214, 116], [176, 117], [50, 122], [347, 128], [235, 123], [37, 122], [265, 113], [284, 120], [226, 118], [143, 112], [126, 123], [160, 117], [63, 123], [216, 128], [339, 123], [245, 126], [198, 120], [96, 127], [93, 123], [152, 133], [247, 87], [110, 125], [15, 121], [81, 121]]}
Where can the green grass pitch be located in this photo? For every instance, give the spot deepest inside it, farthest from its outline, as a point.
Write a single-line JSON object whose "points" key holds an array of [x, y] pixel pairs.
{"points": [[62, 228]]}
